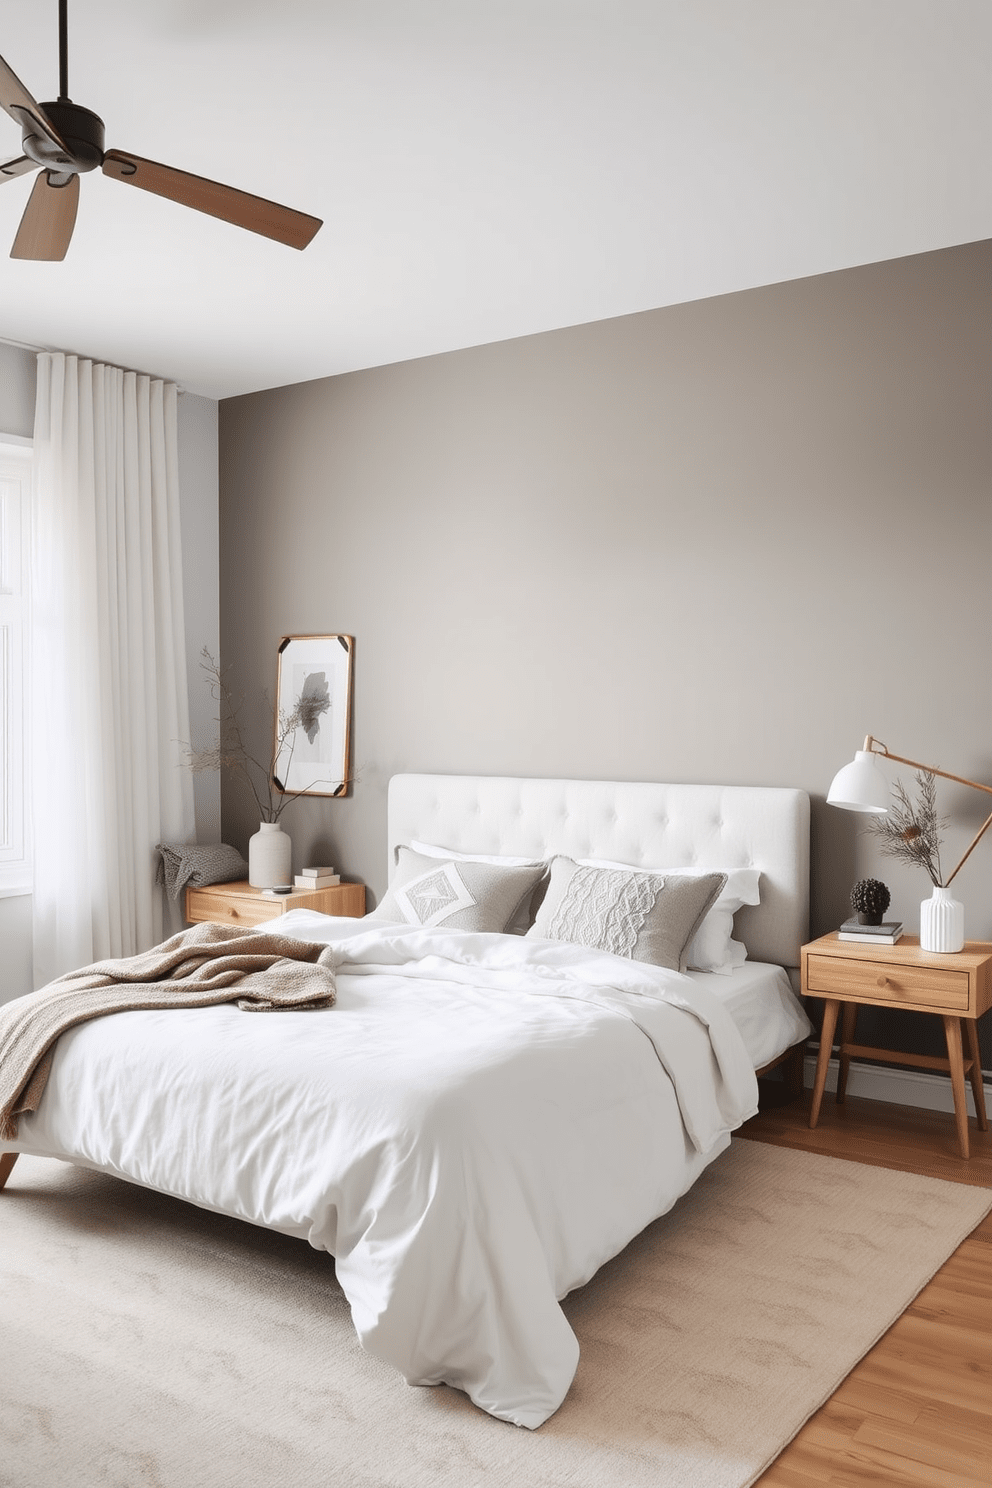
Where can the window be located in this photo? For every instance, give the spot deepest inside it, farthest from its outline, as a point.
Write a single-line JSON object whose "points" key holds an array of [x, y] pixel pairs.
{"points": [[15, 533]]}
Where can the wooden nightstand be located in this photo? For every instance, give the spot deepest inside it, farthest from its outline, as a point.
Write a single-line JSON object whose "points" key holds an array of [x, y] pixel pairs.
{"points": [[956, 986], [240, 904]]}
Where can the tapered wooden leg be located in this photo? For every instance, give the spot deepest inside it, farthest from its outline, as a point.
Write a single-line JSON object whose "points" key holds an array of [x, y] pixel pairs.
{"points": [[847, 1025], [830, 1011], [955, 1058], [975, 1073], [7, 1161]]}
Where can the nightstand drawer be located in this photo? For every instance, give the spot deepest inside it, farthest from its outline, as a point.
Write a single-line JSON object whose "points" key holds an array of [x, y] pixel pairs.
{"points": [[880, 981], [222, 910], [240, 904]]}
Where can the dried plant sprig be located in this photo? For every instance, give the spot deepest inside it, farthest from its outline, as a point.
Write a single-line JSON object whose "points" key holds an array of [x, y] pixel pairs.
{"points": [[232, 753], [911, 831]]}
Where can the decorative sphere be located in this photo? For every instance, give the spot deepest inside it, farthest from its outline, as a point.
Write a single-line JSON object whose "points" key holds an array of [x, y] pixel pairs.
{"points": [[870, 899]]}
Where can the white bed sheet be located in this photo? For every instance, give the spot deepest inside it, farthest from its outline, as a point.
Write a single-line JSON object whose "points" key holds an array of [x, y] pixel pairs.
{"points": [[530, 1108], [758, 996], [768, 1015]]}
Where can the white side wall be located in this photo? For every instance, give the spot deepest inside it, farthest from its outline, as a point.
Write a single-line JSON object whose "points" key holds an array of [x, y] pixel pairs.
{"points": [[198, 466], [17, 383], [198, 495]]}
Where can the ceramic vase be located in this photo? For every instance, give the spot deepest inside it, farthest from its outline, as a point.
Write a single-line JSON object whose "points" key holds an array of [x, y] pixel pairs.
{"points": [[941, 922], [270, 857]]}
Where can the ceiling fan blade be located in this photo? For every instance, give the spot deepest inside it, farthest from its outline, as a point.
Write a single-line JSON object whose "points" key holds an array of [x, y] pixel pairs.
{"points": [[258, 215], [19, 167], [49, 217], [17, 102]]}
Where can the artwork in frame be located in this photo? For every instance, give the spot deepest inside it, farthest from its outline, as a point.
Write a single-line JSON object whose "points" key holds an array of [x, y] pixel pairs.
{"points": [[313, 715]]}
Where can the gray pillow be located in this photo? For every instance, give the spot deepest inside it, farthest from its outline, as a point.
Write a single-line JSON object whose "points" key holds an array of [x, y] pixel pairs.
{"points": [[643, 916], [454, 895]]}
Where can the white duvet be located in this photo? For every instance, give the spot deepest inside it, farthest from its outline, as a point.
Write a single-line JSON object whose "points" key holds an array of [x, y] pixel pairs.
{"points": [[478, 1125]]}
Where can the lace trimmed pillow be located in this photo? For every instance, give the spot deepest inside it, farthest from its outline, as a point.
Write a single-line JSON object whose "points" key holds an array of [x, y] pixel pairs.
{"points": [[643, 916], [713, 946], [455, 895]]}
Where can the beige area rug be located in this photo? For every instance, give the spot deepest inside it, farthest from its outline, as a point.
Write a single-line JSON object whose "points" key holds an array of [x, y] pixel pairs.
{"points": [[148, 1344]]}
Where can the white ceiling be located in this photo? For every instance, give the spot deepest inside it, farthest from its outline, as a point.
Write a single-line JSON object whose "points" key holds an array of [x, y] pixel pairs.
{"points": [[486, 168]]}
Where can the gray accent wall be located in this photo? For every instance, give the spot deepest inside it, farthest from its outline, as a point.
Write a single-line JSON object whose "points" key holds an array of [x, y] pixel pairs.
{"points": [[719, 541]]}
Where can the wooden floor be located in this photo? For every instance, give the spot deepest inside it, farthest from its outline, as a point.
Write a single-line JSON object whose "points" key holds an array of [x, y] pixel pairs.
{"points": [[917, 1410]]}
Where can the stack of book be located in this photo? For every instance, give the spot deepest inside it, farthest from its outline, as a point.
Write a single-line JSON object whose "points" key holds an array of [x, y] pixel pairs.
{"points": [[885, 934], [317, 878]]}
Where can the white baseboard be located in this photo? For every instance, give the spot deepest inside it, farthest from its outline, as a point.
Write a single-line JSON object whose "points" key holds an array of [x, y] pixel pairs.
{"points": [[902, 1087]]}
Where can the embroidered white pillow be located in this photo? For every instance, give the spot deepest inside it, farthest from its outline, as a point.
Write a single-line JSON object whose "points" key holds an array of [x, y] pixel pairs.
{"points": [[454, 895], [713, 947], [524, 917]]}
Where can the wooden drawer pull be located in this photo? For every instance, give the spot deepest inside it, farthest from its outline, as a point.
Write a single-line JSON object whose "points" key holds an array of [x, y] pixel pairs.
{"points": [[882, 981]]}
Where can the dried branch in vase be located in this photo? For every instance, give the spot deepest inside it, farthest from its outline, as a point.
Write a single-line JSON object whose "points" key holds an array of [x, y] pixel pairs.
{"points": [[232, 753], [911, 831]]}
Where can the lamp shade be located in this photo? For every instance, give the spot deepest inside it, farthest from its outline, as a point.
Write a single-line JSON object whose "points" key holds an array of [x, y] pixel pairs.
{"points": [[860, 786]]}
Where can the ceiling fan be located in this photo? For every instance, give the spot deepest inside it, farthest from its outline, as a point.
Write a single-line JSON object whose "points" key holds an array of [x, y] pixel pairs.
{"points": [[64, 140]]}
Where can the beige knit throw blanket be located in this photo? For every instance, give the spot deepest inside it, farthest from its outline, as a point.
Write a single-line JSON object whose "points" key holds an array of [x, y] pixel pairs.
{"points": [[199, 967]]}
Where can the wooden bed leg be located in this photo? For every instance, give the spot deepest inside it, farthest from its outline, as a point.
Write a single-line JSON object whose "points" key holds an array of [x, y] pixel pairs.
{"points": [[7, 1161], [794, 1071]]}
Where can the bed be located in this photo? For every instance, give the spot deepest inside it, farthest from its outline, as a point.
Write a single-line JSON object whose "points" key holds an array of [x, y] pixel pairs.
{"points": [[484, 1118]]}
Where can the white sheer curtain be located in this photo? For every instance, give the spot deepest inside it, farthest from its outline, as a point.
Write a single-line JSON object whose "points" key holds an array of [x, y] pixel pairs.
{"points": [[109, 700]]}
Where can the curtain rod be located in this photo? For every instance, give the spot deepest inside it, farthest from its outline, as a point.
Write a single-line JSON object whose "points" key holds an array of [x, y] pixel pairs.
{"points": [[22, 345], [26, 346]]}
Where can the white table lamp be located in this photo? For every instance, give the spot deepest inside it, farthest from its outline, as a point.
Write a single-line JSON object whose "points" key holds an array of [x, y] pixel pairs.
{"points": [[861, 786]]}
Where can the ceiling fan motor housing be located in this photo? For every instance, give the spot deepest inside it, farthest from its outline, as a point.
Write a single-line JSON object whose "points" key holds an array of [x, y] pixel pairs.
{"points": [[82, 131]]}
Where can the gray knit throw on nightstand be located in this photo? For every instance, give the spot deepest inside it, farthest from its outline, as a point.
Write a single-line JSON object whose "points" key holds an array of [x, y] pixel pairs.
{"points": [[185, 863]]}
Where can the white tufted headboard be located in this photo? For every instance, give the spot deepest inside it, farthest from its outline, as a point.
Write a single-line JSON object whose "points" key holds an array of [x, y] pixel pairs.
{"points": [[661, 826]]}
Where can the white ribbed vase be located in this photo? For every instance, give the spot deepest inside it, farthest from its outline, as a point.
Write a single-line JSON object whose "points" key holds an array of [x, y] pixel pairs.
{"points": [[941, 922], [270, 857]]}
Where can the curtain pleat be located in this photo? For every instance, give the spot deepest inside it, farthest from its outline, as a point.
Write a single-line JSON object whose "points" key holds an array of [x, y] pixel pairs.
{"points": [[110, 703]]}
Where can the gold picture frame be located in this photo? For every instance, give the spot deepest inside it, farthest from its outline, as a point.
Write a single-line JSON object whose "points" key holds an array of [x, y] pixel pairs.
{"points": [[311, 752]]}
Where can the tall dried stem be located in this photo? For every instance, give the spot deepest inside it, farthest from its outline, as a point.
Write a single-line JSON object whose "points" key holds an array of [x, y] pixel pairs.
{"points": [[911, 831]]}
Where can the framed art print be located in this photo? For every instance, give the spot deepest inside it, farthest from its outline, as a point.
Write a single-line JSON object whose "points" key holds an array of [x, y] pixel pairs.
{"points": [[313, 715]]}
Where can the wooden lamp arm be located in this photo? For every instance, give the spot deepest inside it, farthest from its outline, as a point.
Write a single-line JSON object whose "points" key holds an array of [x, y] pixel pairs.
{"points": [[875, 746], [967, 853]]}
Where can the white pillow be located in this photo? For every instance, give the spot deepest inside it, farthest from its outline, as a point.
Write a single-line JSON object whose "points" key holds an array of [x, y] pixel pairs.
{"points": [[713, 947], [428, 850], [525, 914]]}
